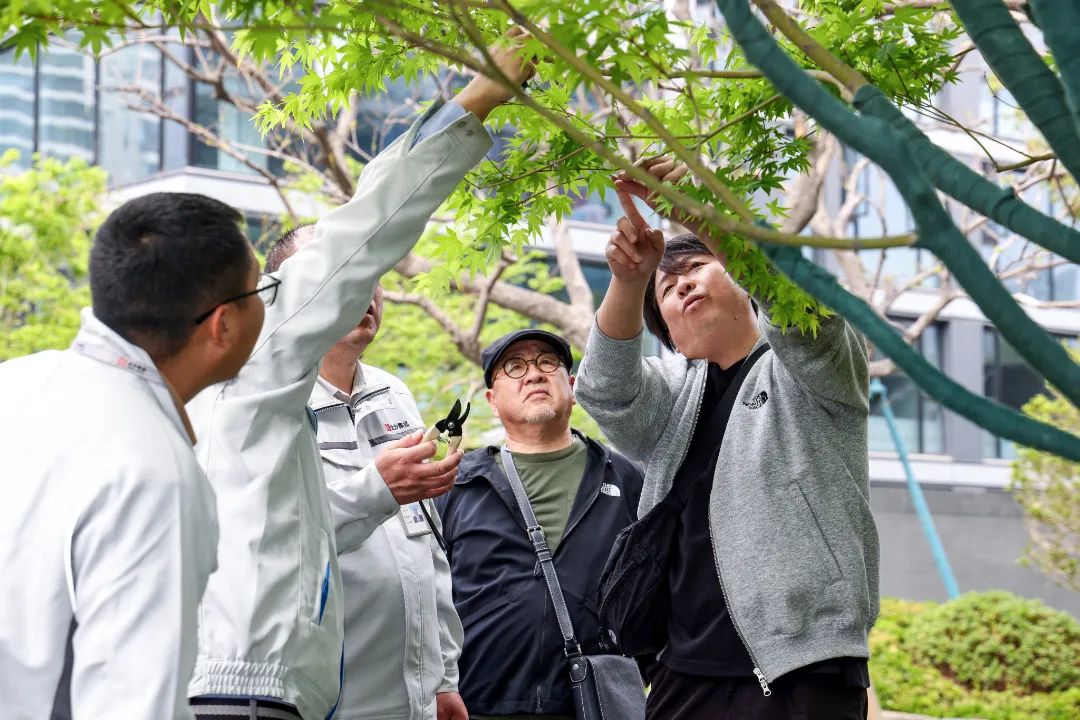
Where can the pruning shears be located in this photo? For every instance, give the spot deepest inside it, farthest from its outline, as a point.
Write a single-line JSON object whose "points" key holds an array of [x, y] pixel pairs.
{"points": [[451, 426]]}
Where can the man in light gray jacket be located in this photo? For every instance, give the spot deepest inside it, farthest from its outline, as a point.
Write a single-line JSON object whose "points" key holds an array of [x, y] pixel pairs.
{"points": [[402, 633], [759, 436], [271, 624], [108, 534]]}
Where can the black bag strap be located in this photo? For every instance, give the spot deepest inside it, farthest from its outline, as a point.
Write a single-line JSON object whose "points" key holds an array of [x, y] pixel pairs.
{"points": [[543, 554]]}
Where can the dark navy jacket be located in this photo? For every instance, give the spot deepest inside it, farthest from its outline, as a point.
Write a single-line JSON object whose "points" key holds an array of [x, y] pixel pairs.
{"points": [[512, 661]]}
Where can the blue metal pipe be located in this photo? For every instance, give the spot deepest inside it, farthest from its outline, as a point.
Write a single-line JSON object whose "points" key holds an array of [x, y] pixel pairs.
{"points": [[877, 388]]}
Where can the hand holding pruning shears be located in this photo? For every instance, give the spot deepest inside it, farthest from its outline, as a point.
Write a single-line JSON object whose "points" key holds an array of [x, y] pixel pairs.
{"points": [[451, 425], [411, 472]]}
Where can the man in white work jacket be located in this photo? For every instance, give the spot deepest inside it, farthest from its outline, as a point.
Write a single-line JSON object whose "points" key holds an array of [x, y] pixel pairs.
{"points": [[107, 524], [402, 633], [272, 620]]}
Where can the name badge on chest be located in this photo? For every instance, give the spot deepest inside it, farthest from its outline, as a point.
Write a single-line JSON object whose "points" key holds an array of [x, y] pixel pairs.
{"points": [[412, 517]]}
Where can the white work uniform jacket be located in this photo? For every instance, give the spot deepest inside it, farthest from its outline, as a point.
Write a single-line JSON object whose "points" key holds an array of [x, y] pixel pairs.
{"points": [[402, 633], [107, 535], [271, 622]]}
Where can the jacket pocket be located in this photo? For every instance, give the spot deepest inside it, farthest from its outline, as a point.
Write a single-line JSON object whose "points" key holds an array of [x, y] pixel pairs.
{"points": [[823, 556]]}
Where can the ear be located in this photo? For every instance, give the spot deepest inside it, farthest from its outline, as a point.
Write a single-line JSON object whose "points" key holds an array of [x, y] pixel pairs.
{"points": [[220, 325], [573, 400], [489, 395]]}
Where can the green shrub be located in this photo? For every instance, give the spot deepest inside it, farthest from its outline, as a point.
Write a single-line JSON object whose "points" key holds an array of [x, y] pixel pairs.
{"points": [[905, 684], [998, 641]]}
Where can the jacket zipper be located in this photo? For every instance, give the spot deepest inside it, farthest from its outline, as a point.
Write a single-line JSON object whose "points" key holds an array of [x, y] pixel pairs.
{"points": [[762, 680]]}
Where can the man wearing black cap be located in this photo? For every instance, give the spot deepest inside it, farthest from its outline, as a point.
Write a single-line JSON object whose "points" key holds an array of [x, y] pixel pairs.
{"points": [[512, 663]]}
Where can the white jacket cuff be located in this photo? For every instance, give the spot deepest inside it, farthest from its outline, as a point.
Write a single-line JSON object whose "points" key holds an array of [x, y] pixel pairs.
{"points": [[361, 503]]}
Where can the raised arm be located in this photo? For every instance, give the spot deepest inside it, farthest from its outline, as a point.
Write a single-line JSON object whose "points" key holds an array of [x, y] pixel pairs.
{"points": [[628, 395], [833, 365], [327, 284]]}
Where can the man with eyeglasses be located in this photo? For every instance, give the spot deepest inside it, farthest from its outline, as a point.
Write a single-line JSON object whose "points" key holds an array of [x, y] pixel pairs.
{"points": [[512, 662], [271, 626], [108, 531]]}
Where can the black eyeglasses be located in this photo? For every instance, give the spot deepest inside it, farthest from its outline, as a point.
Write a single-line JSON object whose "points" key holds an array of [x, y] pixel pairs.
{"points": [[267, 288], [516, 367]]}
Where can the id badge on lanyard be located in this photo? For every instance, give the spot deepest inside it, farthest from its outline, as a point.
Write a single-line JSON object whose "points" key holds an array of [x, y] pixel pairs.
{"points": [[412, 517]]}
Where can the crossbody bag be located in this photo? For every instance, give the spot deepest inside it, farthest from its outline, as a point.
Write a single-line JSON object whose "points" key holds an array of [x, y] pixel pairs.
{"points": [[604, 687]]}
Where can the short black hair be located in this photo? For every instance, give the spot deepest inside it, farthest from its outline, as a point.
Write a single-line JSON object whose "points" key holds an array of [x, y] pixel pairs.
{"points": [[284, 247], [160, 260], [679, 253]]}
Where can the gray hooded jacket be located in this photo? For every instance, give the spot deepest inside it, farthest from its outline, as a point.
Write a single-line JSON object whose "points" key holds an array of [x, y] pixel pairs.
{"points": [[793, 538]]}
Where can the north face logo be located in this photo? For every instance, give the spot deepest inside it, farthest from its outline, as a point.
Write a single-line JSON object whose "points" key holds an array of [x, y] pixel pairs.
{"points": [[757, 401]]}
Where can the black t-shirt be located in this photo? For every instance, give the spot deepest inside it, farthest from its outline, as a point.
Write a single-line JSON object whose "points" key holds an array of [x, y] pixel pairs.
{"points": [[702, 639], [701, 636]]}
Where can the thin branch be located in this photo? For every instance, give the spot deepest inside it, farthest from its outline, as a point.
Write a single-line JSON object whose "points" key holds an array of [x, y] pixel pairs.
{"points": [[849, 77], [931, 315], [438, 315], [1024, 163], [484, 299], [537, 305], [740, 118], [751, 74]]}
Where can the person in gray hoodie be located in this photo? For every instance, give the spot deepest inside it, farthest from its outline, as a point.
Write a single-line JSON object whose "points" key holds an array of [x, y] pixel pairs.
{"points": [[758, 436]]}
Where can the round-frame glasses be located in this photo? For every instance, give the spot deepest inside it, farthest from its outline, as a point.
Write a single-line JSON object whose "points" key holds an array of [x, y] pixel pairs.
{"points": [[516, 367]]}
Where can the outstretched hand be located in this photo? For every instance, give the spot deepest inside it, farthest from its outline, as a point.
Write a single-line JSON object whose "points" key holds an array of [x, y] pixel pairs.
{"points": [[664, 169], [484, 94], [633, 252]]}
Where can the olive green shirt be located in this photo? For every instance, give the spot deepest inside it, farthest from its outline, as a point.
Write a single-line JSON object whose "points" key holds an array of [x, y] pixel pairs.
{"points": [[551, 481]]}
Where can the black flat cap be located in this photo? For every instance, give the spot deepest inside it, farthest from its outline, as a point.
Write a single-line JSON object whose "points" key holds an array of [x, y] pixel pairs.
{"points": [[491, 354]]}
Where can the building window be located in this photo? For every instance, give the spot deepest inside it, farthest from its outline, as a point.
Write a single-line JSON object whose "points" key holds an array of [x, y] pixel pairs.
{"points": [[17, 90], [1023, 266], [1008, 379], [130, 147], [66, 102], [918, 418], [1064, 282], [233, 126]]}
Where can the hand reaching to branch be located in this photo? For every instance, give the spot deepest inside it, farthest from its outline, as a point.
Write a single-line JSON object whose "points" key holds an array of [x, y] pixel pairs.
{"points": [[633, 252], [664, 169], [484, 94]]}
